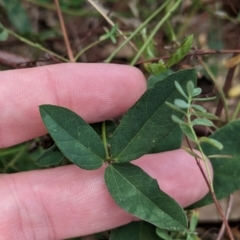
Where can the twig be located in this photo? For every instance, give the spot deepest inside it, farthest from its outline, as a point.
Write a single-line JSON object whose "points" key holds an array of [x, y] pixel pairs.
{"points": [[213, 195], [228, 81], [195, 53], [65, 36], [229, 207]]}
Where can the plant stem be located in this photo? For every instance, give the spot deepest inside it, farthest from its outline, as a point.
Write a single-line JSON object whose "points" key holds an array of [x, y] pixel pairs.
{"points": [[16, 158], [104, 139], [197, 52], [213, 196], [65, 35], [154, 31], [236, 112], [134, 33], [173, 37], [35, 45], [220, 91], [203, 157]]}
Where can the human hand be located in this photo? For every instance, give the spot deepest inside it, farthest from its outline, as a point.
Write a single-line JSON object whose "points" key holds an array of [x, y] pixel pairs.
{"points": [[67, 201]]}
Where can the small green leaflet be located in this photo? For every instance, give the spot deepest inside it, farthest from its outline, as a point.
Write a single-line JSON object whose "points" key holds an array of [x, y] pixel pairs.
{"points": [[51, 156], [139, 194], [149, 121], [73, 136], [226, 170]]}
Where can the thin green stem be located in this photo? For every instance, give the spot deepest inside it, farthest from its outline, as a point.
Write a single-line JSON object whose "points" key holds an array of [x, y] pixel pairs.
{"points": [[94, 44], [35, 45], [236, 112], [134, 33], [154, 31], [16, 158], [173, 37], [203, 156], [104, 139]]}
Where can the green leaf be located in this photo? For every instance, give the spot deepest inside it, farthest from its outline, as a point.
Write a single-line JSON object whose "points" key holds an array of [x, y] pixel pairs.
{"points": [[205, 99], [149, 121], [17, 15], [180, 90], [155, 68], [181, 103], [52, 156], [171, 142], [110, 127], [202, 122], [181, 52], [187, 131], [178, 120], [163, 234], [3, 33], [226, 170], [174, 107], [190, 88], [135, 231], [198, 108], [139, 194], [73, 136], [211, 141], [206, 115], [157, 78], [197, 91]]}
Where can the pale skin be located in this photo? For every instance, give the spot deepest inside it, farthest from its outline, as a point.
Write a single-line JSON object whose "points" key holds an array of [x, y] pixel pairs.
{"points": [[67, 201]]}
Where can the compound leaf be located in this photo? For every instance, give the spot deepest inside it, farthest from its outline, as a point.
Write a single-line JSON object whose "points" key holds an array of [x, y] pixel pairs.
{"points": [[226, 170], [139, 194], [149, 121], [73, 136]]}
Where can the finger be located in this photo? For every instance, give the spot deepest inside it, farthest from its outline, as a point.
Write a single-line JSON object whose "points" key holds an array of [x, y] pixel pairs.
{"points": [[67, 201], [95, 91]]}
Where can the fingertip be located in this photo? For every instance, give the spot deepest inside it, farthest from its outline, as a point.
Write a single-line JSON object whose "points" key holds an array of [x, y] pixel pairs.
{"points": [[96, 92]]}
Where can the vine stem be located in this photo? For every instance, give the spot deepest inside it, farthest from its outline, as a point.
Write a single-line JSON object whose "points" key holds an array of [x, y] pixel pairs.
{"points": [[196, 52], [65, 35], [213, 195], [199, 146], [154, 31]]}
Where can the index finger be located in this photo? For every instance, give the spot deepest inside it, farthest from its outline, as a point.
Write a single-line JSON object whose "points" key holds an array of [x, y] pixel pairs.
{"points": [[95, 91]]}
